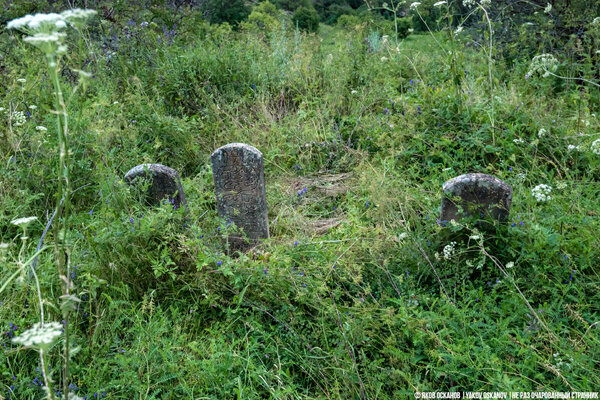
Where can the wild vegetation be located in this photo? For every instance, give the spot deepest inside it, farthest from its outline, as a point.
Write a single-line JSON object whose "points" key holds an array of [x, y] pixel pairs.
{"points": [[361, 111]]}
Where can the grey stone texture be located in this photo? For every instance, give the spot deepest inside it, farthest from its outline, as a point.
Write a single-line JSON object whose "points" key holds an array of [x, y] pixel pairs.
{"points": [[164, 183], [239, 178], [479, 195]]}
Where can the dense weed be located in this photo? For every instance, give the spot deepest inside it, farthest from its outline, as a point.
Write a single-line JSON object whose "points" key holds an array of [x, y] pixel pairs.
{"points": [[359, 293]]}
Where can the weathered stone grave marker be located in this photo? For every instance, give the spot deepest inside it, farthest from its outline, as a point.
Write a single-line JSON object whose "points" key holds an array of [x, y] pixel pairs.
{"points": [[238, 174], [164, 183], [478, 195]]}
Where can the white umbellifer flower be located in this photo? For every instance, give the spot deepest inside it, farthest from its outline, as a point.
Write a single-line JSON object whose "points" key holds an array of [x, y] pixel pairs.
{"points": [[384, 59], [542, 132], [32, 107], [572, 147], [415, 5], [2, 109], [51, 20], [510, 264], [449, 250], [469, 3], [458, 30], [595, 147], [23, 221], [403, 236], [542, 192], [354, 92], [19, 23], [518, 141], [544, 64], [486, 2], [40, 39], [41, 128], [21, 80], [439, 3], [548, 8], [73, 396], [40, 336], [596, 21], [19, 118]]}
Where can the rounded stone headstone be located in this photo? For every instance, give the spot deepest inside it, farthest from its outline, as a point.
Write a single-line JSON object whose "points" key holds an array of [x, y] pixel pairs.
{"points": [[164, 183], [239, 178], [478, 195]]}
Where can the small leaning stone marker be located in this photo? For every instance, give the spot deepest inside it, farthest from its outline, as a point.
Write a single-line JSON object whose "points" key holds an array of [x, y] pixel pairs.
{"points": [[164, 183], [238, 174], [478, 195]]}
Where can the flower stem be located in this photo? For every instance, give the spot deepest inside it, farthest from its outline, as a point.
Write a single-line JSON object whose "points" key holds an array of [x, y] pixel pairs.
{"points": [[60, 228]]}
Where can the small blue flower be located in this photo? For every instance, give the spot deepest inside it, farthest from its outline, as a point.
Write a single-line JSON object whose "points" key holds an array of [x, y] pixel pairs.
{"points": [[295, 243], [265, 271], [219, 262], [91, 211]]}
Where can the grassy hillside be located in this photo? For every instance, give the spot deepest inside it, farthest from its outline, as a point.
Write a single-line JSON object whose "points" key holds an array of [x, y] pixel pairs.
{"points": [[358, 294]]}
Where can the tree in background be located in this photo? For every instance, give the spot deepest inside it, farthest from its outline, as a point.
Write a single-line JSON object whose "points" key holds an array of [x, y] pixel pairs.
{"points": [[219, 11], [293, 5], [306, 19]]}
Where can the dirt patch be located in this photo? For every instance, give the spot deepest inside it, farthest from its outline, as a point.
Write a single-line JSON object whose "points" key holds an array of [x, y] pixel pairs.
{"points": [[329, 185]]}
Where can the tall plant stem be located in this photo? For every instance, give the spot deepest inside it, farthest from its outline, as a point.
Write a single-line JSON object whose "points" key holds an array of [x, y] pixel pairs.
{"points": [[492, 120], [61, 225]]}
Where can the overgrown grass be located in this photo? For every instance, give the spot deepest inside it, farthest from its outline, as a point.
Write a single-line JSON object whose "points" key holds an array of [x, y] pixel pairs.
{"points": [[343, 300]]}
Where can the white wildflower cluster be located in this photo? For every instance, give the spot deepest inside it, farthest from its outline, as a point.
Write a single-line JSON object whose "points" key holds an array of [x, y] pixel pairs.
{"points": [[458, 30], [40, 335], [439, 3], [543, 64], [548, 8], [18, 117], [23, 221], [542, 132], [486, 3], [562, 362], [41, 128], [518, 141], [595, 147], [414, 5], [573, 147], [44, 29], [469, 3], [542, 192], [510, 264], [449, 250], [596, 21], [73, 396]]}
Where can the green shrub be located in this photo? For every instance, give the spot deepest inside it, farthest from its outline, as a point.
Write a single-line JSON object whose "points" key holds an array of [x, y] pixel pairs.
{"points": [[219, 11], [349, 22], [306, 19], [264, 18]]}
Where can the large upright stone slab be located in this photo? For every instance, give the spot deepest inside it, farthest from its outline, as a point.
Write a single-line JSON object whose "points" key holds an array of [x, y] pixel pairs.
{"points": [[478, 195], [239, 178], [164, 183]]}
